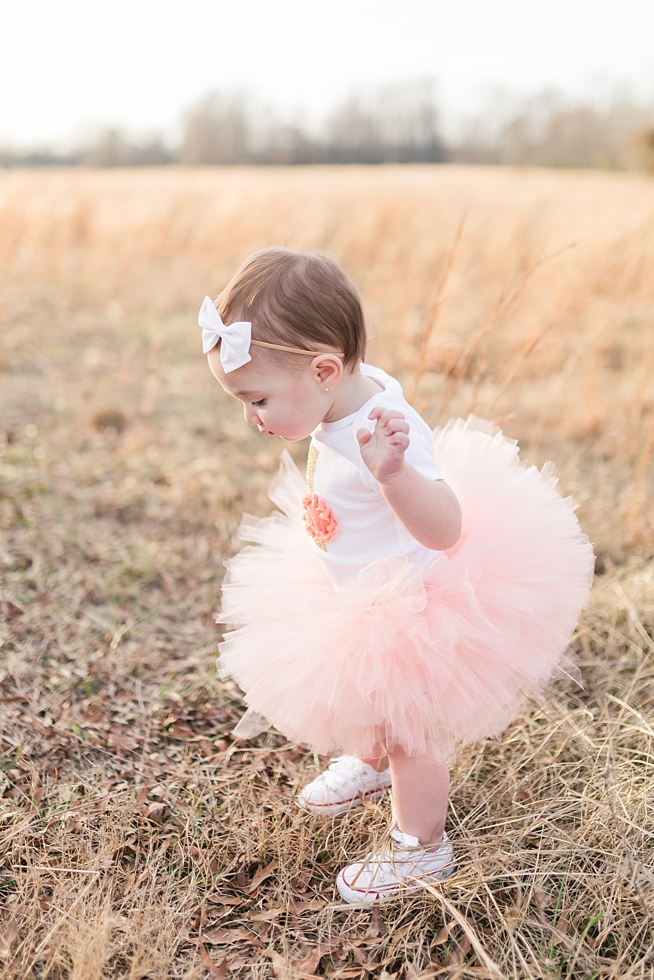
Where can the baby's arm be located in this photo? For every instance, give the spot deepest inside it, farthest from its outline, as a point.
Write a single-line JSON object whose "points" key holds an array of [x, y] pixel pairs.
{"points": [[428, 509]]}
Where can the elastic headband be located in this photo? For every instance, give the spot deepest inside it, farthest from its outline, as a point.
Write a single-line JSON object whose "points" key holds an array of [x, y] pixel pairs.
{"points": [[296, 350]]}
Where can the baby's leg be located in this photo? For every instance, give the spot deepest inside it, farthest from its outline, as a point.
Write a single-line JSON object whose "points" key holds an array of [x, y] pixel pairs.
{"points": [[420, 790], [379, 763]]}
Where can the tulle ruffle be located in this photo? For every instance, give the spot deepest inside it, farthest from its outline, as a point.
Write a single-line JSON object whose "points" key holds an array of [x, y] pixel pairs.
{"points": [[400, 656]]}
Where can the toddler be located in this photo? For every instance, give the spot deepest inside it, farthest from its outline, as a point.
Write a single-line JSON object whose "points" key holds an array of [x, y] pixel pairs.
{"points": [[407, 594]]}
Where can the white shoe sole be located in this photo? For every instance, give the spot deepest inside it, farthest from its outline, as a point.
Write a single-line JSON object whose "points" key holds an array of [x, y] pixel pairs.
{"points": [[335, 809], [364, 899]]}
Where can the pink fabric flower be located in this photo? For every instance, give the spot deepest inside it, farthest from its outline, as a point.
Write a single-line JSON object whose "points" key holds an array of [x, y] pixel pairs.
{"points": [[318, 518]]}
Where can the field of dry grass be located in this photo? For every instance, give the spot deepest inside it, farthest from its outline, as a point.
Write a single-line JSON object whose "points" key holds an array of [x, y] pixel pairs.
{"points": [[137, 838]]}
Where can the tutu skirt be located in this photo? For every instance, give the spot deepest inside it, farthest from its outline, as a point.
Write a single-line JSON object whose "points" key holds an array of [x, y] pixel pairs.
{"points": [[404, 657]]}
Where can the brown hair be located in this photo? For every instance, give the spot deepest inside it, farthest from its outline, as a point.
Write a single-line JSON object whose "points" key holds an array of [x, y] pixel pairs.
{"points": [[297, 299]]}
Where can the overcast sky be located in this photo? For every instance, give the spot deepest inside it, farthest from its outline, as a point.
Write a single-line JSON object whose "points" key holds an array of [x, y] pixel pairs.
{"points": [[70, 64]]}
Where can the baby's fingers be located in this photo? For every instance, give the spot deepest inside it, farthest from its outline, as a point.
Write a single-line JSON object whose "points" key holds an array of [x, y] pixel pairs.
{"points": [[394, 426], [363, 436], [399, 441], [384, 415]]}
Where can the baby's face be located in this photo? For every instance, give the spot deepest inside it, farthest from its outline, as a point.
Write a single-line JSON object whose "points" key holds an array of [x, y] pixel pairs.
{"points": [[280, 401]]}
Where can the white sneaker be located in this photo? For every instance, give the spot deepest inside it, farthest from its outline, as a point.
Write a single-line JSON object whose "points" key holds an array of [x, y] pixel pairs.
{"points": [[401, 865], [347, 782]]}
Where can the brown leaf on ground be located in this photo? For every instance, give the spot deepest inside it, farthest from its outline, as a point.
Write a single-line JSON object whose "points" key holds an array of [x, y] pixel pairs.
{"points": [[309, 962], [376, 927], [279, 964], [444, 934], [142, 794], [314, 905], [561, 928], [300, 883], [363, 959], [260, 875], [218, 970], [122, 743], [217, 899], [454, 958], [155, 812], [223, 937], [180, 731], [267, 915], [9, 934]]}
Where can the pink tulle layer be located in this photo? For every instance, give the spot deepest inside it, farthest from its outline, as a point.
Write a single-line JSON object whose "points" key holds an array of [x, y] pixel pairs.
{"points": [[420, 659]]}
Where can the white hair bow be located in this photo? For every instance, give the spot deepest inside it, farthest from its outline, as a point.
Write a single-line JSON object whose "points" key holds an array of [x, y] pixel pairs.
{"points": [[234, 339]]}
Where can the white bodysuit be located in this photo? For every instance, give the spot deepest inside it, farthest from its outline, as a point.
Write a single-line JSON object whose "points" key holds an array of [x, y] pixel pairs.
{"points": [[368, 529]]}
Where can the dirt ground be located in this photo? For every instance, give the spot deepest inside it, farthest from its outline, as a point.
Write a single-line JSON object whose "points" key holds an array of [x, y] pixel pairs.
{"points": [[138, 839]]}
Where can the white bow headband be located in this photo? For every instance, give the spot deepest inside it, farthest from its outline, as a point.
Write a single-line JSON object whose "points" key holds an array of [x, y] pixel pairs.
{"points": [[236, 338]]}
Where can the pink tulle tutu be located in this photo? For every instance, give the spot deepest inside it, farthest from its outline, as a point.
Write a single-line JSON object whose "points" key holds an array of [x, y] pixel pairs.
{"points": [[417, 658]]}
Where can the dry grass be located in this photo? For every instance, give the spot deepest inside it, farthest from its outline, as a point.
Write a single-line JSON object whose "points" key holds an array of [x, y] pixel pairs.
{"points": [[138, 839]]}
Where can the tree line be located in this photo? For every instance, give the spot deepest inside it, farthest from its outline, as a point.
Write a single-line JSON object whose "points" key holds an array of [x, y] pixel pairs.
{"points": [[395, 124]]}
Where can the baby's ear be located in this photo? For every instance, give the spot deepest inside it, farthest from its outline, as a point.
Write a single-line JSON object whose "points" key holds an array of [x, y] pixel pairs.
{"points": [[327, 369]]}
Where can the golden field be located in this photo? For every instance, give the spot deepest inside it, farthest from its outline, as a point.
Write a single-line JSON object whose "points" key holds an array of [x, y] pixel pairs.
{"points": [[138, 839]]}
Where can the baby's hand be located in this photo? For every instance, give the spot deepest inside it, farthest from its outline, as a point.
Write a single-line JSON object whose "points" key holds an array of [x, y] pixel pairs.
{"points": [[383, 450]]}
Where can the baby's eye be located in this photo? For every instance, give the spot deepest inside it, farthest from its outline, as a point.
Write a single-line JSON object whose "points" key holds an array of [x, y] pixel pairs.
{"points": [[259, 404]]}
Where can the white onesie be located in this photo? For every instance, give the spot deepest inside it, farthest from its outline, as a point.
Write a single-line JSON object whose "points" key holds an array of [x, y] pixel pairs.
{"points": [[368, 529]]}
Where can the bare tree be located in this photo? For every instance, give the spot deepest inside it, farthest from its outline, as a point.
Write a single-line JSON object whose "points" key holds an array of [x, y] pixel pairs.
{"points": [[551, 130], [217, 130], [645, 150], [113, 148], [397, 124]]}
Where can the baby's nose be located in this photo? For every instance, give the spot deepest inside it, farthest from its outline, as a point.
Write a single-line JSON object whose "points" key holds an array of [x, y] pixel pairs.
{"points": [[251, 417]]}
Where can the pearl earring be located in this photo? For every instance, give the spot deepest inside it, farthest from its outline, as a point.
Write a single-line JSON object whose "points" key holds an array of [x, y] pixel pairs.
{"points": [[326, 389]]}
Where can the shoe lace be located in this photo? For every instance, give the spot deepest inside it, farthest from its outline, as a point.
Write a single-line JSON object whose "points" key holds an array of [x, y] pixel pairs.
{"points": [[343, 762], [339, 771], [385, 859]]}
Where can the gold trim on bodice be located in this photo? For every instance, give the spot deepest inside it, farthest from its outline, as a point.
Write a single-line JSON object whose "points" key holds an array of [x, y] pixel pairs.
{"points": [[312, 459]]}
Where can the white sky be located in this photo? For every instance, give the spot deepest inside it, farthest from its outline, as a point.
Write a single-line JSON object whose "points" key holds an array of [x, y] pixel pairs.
{"points": [[69, 64]]}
